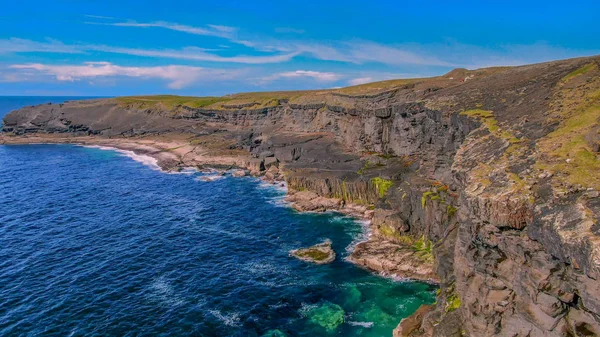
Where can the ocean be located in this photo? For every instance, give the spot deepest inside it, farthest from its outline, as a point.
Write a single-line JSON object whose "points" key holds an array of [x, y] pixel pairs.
{"points": [[95, 241]]}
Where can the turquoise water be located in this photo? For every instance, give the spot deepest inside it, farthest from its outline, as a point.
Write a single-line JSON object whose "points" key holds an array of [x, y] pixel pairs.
{"points": [[93, 242]]}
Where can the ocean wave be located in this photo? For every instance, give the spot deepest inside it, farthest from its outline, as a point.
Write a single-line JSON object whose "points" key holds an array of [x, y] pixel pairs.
{"points": [[362, 236], [278, 305], [140, 158], [280, 186], [163, 291], [209, 178], [229, 319], [266, 268], [186, 171], [306, 308]]}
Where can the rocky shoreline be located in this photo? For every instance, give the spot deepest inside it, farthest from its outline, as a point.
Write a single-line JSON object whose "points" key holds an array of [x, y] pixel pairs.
{"points": [[372, 254], [492, 182]]}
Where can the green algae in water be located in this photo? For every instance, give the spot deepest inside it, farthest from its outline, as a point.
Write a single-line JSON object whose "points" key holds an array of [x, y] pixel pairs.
{"points": [[249, 286], [328, 315], [274, 333], [377, 315], [352, 297]]}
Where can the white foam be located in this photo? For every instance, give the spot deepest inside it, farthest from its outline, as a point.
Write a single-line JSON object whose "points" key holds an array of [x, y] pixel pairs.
{"points": [[280, 186], [185, 170], [140, 158], [229, 319], [363, 236], [362, 324], [209, 178], [162, 290], [279, 305], [306, 308]]}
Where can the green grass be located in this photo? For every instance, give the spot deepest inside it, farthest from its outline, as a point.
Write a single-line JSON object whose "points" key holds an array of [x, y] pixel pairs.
{"points": [[382, 185], [368, 165], [171, 101], [376, 87], [580, 71], [391, 233], [489, 120], [426, 196], [423, 248], [453, 302], [565, 150], [451, 211]]}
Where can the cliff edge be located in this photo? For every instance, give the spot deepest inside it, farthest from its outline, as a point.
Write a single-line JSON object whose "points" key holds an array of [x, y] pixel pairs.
{"points": [[491, 176]]}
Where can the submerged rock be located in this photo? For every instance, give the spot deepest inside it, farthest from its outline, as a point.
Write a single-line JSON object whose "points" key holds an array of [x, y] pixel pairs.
{"points": [[319, 254], [327, 315], [274, 333]]}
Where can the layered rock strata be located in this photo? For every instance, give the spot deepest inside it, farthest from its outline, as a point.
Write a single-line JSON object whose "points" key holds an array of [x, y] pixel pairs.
{"points": [[494, 181]]}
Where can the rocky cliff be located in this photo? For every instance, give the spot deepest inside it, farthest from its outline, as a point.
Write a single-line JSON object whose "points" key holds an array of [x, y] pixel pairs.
{"points": [[490, 175]]}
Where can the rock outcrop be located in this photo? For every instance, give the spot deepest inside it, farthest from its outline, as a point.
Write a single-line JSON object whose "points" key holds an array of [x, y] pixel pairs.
{"points": [[321, 253], [494, 181]]}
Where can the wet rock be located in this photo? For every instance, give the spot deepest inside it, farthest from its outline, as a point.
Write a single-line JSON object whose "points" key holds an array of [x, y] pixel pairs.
{"points": [[238, 173]]}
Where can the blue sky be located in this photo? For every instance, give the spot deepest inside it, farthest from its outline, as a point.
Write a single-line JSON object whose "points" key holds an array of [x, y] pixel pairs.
{"points": [[218, 47]]}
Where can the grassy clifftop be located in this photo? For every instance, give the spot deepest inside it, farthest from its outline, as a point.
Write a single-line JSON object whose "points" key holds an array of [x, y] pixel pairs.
{"points": [[339, 96]]}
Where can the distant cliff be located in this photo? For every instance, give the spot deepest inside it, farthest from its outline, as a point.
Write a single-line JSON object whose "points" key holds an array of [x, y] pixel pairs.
{"points": [[497, 168]]}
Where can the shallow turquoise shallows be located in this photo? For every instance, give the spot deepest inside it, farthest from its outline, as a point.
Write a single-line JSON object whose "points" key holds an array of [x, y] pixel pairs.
{"points": [[93, 242]]}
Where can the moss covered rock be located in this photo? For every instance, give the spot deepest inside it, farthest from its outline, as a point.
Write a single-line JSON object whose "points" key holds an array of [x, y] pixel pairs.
{"points": [[319, 254]]}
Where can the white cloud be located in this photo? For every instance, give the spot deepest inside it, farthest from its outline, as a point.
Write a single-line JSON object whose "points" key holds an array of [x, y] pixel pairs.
{"points": [[360, 80], [317, 75], [358, 52], [451, 54], [176, 75]]}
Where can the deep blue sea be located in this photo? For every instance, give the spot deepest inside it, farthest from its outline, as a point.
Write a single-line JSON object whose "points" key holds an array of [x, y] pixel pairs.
{"points": [[93, 242]]}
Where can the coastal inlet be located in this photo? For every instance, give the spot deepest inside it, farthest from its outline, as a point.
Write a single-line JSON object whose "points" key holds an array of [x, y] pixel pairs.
{"points": [[93, 242]]}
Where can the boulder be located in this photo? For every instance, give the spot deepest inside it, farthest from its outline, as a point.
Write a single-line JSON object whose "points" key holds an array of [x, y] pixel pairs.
{"points": [[238, 173], [271, 161]]}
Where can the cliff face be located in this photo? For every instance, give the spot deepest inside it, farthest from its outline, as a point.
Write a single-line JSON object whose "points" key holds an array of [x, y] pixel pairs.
{"points": [[497, 169]]}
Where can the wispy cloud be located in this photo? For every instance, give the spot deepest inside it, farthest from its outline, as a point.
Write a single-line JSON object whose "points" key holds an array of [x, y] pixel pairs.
{"points": [[289, 30], [14, 45], [317, 75], [100, 17], [208, 30], [194, 54], [358, 52], [177, 76]]}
